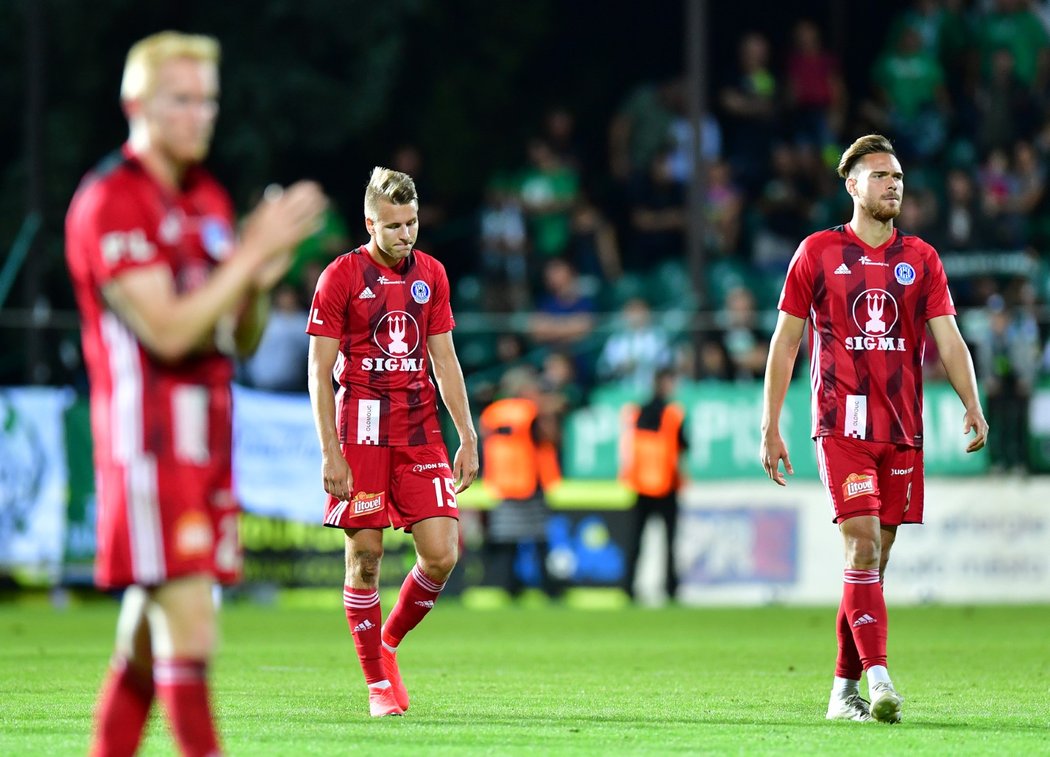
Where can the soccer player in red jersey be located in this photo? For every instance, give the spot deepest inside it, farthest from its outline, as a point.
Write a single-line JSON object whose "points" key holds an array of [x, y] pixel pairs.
{"points": [[167, 293], [380, 319], [869, 292]]}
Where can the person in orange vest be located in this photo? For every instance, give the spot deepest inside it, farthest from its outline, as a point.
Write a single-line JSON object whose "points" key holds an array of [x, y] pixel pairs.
{"points": [[519, 438], [651, 447]]}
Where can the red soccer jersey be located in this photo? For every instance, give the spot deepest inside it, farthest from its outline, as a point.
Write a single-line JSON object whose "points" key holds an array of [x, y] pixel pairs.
{"points": [[161, 431], [382, 318], [868, 308], [121, 218]]}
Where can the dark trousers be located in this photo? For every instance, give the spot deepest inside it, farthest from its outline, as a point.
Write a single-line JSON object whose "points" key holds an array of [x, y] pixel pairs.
{"points": [[644, 508], [501, 569], [1008, 422]]}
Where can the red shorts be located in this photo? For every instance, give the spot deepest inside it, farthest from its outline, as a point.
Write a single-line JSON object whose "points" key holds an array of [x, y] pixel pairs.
{"points": [[164, 514], [158, 520], [872, 478], [397, 486]]}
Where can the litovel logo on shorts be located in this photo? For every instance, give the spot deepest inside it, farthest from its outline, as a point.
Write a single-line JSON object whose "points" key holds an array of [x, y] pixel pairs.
{"points": [[856, 485], [365, 502]]}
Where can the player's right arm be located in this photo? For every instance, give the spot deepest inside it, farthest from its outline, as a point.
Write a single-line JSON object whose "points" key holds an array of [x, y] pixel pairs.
{"points": [[336, 473], [783, 349], [172, 325]]}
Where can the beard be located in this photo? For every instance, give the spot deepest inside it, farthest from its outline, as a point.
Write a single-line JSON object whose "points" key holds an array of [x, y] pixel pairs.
{"points": [[881, 212]]}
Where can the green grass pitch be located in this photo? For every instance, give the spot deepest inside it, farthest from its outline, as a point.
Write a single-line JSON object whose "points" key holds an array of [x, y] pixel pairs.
{"points": [[557, 680]]}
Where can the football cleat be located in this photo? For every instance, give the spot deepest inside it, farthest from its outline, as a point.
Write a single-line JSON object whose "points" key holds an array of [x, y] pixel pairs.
{"points": [[885, 703], [382, 702], [849, 707], [394, 676]]}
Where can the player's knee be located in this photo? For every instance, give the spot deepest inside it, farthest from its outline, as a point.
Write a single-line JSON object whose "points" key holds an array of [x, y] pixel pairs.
{"points": [[439, 567], [364, 565], [863, 554]]}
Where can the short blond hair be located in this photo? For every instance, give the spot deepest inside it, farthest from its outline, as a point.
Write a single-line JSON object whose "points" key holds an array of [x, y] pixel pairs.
{"points": [[390, 185], [869, 144], [147, 55]]}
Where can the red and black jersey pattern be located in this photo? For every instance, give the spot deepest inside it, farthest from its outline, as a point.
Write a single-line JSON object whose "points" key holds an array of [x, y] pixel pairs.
{"points": [[382, 318], [868, 309]]}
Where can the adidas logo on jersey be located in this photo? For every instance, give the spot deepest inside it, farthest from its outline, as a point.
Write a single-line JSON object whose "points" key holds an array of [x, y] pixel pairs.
{"points": [[863, 620], [842, 269], [364, 625], [368, 294]]}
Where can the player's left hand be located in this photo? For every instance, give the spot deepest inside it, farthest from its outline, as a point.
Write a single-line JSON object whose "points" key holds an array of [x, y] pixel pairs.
{"points": [[465, 466], [974, 421]]}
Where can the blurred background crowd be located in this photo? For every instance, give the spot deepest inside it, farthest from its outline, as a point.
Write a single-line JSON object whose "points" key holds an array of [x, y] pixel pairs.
{"points": [[553, 153]]}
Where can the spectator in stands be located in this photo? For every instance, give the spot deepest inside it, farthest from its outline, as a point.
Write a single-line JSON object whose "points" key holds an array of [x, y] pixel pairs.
{"points": [[594, 247], [962, 223], [785, 209], [1031, 200], [750, 108], [559, 131], [725, 207], [561, 388], [548, 190], [911, 101], [998, 190], [1008, 360], [279, 365], [816, 94], [1012, 24], [641, 128], [1007, 108], [746, 343], [636, 350], [657, 216], [408, 159], [919, 215], [564, 315], [504, 247], [713, 362]]}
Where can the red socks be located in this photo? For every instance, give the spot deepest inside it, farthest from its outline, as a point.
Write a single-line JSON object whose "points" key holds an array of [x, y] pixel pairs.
{"points": [[123, 709], [847, 665], [864, 610], [416, 598], [365, 619], [182, 685]]}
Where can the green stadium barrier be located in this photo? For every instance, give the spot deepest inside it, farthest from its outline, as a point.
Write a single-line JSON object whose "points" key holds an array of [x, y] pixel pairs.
{"points": [[723, 424]]}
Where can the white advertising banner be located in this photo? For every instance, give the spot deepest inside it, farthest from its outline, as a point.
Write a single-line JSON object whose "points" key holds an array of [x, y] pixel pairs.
{"points": [[985, 540], [34, 480], [276, 456]]}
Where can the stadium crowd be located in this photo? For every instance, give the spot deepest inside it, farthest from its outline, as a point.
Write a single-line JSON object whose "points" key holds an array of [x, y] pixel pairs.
{"points": [[579, 269]]}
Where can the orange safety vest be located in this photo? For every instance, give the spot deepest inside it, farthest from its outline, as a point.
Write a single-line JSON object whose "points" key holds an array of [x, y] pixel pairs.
{"points": [[649, 459], [515, 466]]}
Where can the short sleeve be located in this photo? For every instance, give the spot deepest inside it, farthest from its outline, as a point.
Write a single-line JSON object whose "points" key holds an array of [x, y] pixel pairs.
{"points": [[938, 297], [113, 233], [441, 318], [797, 296], [328, 308]]}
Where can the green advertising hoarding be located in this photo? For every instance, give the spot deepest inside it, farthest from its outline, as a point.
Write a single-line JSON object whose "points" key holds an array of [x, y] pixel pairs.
{"points": [[723, 427]]}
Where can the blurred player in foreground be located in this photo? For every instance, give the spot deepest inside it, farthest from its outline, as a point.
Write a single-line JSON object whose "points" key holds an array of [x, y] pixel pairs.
{"points": [[869, 292], [380, 319], [167, 294]]}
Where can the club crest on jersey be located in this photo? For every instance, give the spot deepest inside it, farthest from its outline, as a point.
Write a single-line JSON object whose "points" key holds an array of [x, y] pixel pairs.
{"points": [[904, 274], [216, 237], [875, 313], [397, 335], [857, 485], [420, 292]]}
